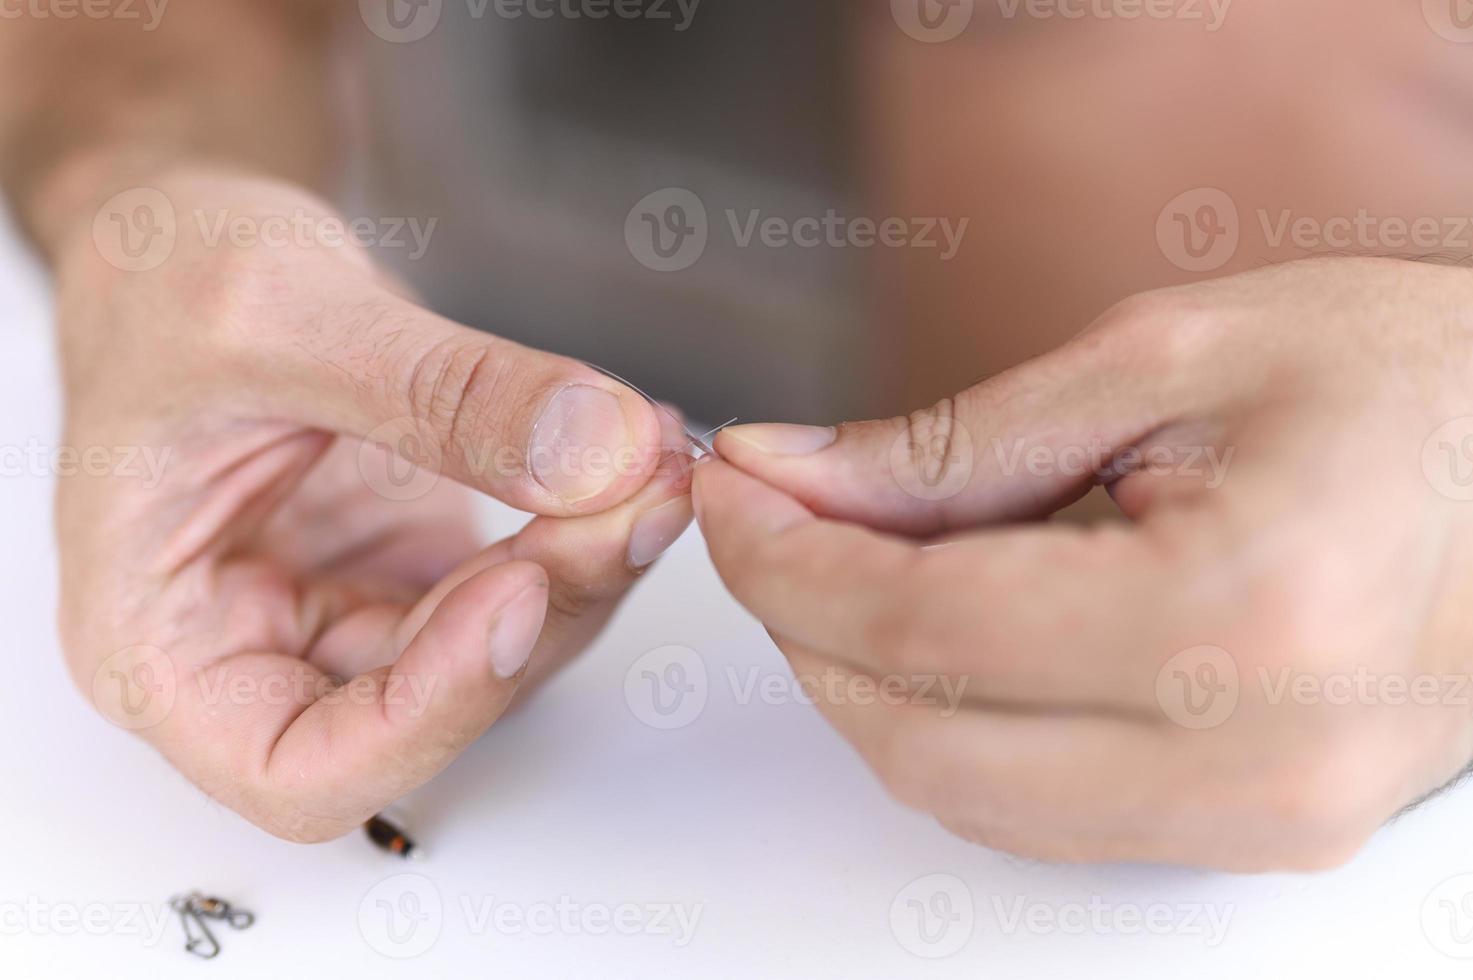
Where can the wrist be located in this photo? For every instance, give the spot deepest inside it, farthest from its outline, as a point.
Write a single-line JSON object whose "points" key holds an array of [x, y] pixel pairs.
{"points": [[94, 104], [81, 201], [56, 202]]}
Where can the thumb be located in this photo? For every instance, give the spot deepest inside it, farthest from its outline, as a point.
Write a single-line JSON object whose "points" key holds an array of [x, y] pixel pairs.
{"points": [[1017, 446], [543, 433]]}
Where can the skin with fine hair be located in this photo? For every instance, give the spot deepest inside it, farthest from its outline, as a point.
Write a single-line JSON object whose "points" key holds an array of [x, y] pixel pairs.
{"points": [[302, 630]]}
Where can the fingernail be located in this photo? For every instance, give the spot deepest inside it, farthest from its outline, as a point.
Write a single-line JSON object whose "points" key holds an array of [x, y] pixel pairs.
{"points": [[578, 442], [515, 631], [657, 530], [778, 439]]}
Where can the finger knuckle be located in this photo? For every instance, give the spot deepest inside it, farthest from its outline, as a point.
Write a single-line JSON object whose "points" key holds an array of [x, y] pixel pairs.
{"points": [[1163, 330], [451, 388], [1295, 617], [934, 449], [1328, 800], [571, 599], [230, 294]]}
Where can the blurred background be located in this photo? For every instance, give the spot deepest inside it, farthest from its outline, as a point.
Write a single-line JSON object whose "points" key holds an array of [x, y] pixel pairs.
{"points": [[531, 140], [1071, 145]]}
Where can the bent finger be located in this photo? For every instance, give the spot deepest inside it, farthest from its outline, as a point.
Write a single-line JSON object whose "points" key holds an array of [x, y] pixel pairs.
{"points": [[345, 757], [1048, 615]]}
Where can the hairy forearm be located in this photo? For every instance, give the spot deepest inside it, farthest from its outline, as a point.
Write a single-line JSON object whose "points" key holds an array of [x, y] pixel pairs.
{"points": [[90, 105]]}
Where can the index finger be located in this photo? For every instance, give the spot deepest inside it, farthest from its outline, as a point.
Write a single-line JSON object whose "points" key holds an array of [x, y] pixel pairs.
{"points": [[1046, 615], [308, 758]]}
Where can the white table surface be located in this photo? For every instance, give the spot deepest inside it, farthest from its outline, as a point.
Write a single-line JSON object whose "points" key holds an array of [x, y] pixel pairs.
{"points": [[575, 813]]}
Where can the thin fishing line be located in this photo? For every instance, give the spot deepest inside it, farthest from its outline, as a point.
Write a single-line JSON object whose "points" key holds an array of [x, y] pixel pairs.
{"points": [[698, 441], [723, 425]]}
